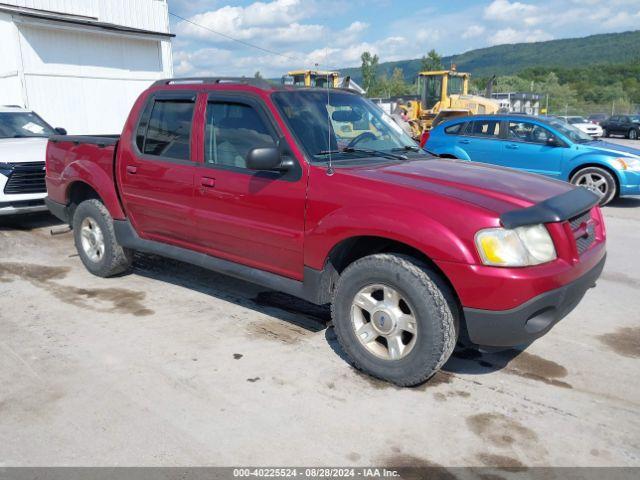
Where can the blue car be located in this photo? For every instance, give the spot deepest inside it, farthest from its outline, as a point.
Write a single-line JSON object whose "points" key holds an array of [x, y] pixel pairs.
{"points": [[541, 145]]}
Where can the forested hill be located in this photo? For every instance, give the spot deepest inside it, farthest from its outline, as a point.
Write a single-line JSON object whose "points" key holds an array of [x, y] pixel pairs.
{"points": [[608, 48]]}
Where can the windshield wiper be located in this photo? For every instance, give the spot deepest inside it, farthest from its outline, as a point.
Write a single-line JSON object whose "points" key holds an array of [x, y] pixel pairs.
{"points": [[413, 148], [409, 148], [377, 153]]}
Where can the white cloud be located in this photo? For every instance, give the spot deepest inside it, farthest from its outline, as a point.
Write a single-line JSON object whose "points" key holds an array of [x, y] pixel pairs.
{"points": [[473, 31], [510, 35], [512, 12]]}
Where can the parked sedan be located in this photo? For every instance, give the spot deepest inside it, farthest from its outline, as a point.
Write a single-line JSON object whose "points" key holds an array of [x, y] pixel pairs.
{"points": [[627, 125], [546, 146], [23, 141], [584, 125]]}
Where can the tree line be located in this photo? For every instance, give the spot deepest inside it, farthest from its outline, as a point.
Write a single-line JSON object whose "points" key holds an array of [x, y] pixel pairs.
{"points": [[577, 90]]}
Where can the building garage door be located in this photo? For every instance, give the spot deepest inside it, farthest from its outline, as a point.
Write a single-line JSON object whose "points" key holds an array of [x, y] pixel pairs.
{"points": [[85, 80]]}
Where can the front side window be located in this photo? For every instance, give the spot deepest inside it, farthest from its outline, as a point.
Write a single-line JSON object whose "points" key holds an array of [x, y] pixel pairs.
{"points": [[529, 132], [168, 131], [232, 130], [484, 128], [340, 124], [23, 124]]}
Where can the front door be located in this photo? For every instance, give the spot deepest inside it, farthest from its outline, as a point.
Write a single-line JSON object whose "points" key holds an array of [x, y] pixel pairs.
{"points": [[247, 216], [157, 172], [527, 147]]}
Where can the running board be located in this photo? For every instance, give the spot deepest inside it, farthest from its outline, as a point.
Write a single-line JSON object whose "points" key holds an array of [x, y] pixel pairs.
{"points": [[309, 289]]}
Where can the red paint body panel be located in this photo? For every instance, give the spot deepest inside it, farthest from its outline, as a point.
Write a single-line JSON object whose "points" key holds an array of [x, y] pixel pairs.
{"points": [[434, 206]]}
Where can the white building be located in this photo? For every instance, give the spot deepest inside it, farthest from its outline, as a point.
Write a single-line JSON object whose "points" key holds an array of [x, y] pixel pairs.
{"points": [[80, 64]]}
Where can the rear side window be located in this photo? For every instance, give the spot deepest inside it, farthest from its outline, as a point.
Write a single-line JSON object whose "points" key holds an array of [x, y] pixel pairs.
{"points": [[232, 129], [167, 132], [453, 129], [484, 128]]}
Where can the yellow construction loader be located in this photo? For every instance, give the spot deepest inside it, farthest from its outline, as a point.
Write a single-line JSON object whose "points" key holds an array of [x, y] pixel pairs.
{"points": [[312, 78], [443, 94], [320, 79]]}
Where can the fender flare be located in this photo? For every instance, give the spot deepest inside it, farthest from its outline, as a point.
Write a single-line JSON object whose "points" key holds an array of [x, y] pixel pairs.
{"points": [[90, 173], [411, 228]]}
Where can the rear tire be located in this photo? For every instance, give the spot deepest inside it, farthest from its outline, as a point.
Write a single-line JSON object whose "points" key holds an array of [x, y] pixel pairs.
{"points": [[96, 242], [599, 181], [420, 310]]}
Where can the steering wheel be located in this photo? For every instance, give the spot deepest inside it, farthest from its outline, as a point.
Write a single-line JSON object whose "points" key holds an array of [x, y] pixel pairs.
{"points": [[361, 137]]}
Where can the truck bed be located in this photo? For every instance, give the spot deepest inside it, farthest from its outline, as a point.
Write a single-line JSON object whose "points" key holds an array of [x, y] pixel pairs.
{"points": [[90, 157]]}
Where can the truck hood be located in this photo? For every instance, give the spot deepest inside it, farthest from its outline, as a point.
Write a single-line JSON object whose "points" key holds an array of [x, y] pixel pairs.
{"points": [[19, 150], [611, 149], [494, 188]]}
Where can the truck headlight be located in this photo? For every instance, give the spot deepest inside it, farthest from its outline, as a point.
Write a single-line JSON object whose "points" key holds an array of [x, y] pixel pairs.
{"points": [[518, 247]]}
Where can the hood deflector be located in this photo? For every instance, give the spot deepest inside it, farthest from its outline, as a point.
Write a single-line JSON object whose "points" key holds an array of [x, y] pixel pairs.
{"points": [[556, 209]]}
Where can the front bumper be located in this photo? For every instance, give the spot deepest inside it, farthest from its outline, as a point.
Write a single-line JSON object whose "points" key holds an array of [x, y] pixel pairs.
{"points": [[629, 183], [20, 207], [532, 319]]}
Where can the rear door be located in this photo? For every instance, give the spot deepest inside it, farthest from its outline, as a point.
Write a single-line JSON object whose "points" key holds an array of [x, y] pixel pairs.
{"points": [[527, 147], [247, 216], [157, 172], [481, 140]]}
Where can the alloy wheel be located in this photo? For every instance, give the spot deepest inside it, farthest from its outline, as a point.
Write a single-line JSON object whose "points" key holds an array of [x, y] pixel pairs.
{"points": [[594, 182], [92, 239], [384, 322]]}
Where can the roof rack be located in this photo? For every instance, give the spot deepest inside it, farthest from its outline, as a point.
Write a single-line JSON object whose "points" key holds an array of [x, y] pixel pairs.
{"points": [[255, 82]]}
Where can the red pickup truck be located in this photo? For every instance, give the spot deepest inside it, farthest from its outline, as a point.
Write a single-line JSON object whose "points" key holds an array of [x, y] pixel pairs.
{"points": [[323, 196]]}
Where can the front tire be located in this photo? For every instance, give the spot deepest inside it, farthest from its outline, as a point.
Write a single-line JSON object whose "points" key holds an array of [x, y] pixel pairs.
{"points": [[605, 133], [96, 242], [395, 318], [633, 134], [599, 181]]}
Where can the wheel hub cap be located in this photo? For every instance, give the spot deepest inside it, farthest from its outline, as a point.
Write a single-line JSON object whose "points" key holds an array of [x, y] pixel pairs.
{"points": [[384, 322]]}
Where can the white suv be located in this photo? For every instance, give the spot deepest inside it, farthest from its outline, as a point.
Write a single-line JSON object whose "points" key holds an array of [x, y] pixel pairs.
{"points": [[23, 143]]}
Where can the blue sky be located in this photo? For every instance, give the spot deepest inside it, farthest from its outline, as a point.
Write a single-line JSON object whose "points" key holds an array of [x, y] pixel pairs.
{"points": [[334, 33]]}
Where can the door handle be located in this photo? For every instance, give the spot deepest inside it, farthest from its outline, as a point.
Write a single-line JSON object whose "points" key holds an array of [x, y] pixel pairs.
{"points": [[511, 146], [465, 141], [208, 182], [132, 169]]}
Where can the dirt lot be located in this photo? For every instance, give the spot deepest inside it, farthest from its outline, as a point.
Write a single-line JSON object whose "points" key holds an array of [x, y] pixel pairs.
{"points": [[173, 365]]}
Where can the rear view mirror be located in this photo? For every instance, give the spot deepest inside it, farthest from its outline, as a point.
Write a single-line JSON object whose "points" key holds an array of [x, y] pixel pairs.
{"points": [[346, 116], [267, 158]]}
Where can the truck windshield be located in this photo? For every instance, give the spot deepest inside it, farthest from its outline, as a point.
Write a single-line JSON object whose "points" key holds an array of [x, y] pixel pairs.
{"points": [[341, 124], [571, 132], [23, 124]]}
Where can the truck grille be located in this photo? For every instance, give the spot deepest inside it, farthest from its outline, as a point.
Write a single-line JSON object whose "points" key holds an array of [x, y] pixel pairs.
{"points": [[583, 231], [26, 178]]}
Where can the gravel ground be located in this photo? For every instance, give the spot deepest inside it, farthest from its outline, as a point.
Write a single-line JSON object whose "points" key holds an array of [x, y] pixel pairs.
{"points": [[173, 365]]}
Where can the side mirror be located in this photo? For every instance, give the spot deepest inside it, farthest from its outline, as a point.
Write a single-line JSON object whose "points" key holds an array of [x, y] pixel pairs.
{"points": [[60, 130], [267, 158]]}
